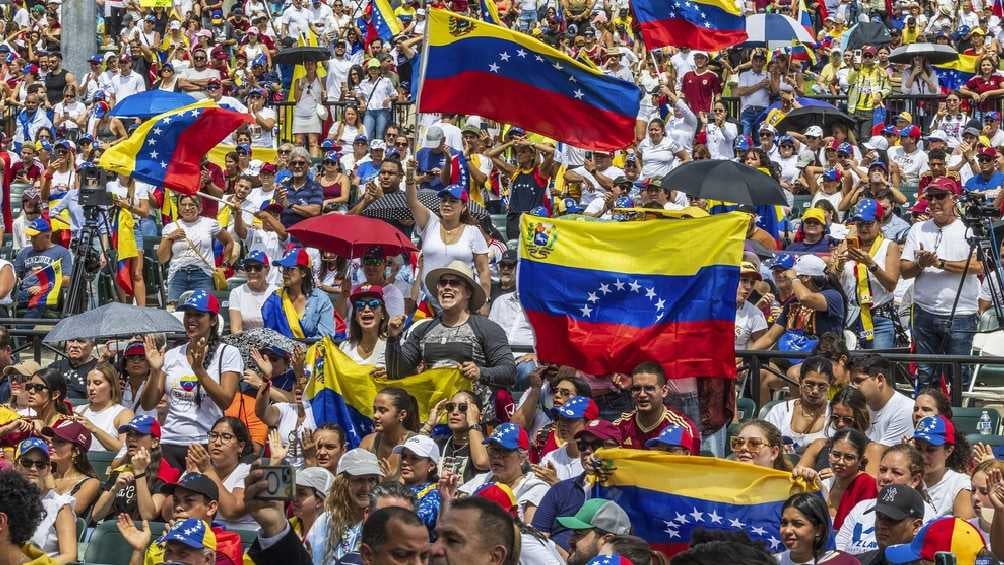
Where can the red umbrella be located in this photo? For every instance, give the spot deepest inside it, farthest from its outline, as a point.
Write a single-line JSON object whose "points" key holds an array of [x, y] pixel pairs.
{"points": [[350, 236]]}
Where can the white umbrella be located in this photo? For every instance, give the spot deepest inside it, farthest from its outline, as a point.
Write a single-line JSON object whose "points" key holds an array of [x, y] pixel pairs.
{"points": [[935, 54], [775, 30]]}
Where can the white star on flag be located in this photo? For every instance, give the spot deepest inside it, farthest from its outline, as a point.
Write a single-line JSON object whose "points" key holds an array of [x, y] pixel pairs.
{"points": [[697, 515], [593, 297], [521, 54], [758, 530], [504, 56], [494, 68], [714, 517], [152, 141], [153, 154], [195, 113], [578, 94], [673, 534], [558, 66], [156, 131], [586, 311], [619, 285], [605, 288], [660, 304], [774, 542], [635, 286], [539, 59], [572, 79], [163, 164], [167, 120], [650, 293], [681, 518], [735, 523]]}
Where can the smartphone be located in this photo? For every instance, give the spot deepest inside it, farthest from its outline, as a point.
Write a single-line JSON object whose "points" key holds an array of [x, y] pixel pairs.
{"points": [[754, 297], [589, 154], [281, 481], [945, 558]]}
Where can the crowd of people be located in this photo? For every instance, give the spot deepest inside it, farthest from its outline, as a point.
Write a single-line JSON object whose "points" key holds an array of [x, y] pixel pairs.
{"points": [[871, 255]]}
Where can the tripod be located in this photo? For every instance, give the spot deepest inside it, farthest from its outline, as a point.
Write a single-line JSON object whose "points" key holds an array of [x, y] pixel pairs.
{"points": [[78, 296]]}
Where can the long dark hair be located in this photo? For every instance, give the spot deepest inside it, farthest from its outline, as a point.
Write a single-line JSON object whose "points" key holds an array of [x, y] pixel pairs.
{"points": [[56, 384], [240, 433], [855, 400], [813, 507], [857, 439], [356, 331], [402, 400]]}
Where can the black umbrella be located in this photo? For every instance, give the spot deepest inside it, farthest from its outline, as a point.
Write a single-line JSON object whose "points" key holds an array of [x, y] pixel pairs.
{"points": [[300, 55], [720, 179], [394, 207], [867, 33], [822, 116], [935, 54]]}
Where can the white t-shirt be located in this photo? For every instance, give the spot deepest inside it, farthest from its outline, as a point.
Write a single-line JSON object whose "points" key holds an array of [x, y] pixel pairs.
{"points": [[287, 420], [566, 465], [934, 289], [857, 533], [141, 191], [437, 254], [376, 357], [262, 136], [529, 490], [72, 111], [749, 320], [759, 97], [248, 303], [189, 419], [720, 139], [911, 165], [104, 420], [943, 493], [193, 74], [893, 421], [233, 481], [780, 415], [538, 551], [591, 188], [657, 159], [45, 536], [200, 233]]}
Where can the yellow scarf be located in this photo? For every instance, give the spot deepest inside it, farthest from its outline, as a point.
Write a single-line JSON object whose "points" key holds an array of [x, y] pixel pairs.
{"points": [[292, 318], [864, 291]]}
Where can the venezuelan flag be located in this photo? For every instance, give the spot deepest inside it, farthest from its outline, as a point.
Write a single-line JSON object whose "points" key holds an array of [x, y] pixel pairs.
{"points": [[523, 82], [490, 12], [700, 492], [609, 295], [279, 314], [50, 281], [878, 120], [378, 20], [341, 391], [167, 150], [951, 76], [998, 8], [709, 25], [124, 243]]}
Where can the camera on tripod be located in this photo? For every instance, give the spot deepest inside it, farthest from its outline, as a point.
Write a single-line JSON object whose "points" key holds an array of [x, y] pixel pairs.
{"points": [[975, 208], [93, 186]]}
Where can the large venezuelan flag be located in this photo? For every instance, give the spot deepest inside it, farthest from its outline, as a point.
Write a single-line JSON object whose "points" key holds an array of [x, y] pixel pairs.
{"points": [[709, 25], [167, 150], [341, 391], [378, 21], [951, 76], [50, 281], [472, 67], [667, 496], [124, 243], [609, 295]]}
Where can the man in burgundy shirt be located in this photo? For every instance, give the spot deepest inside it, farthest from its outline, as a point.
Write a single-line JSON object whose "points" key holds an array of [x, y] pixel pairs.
{"points": [[701, 86], [650, 416]]}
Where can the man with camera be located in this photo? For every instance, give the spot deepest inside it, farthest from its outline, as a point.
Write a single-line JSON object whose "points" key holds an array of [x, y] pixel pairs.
{"points": [[936, 254]]}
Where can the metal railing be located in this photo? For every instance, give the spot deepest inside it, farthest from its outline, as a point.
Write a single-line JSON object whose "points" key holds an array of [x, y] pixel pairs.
{"points": [[401, 111]]}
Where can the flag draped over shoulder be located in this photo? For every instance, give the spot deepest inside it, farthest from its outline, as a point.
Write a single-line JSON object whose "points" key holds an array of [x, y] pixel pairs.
{"points": [[279, 314], [341, 391], [167, 150], [952, 76], [472, 67], [50, 281], [609, 295], [700, 492], [124, 243], [709, 25]]}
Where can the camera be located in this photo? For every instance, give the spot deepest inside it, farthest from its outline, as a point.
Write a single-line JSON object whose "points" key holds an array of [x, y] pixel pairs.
{"points": [[93, 183], [975, 208], [281, 482]]}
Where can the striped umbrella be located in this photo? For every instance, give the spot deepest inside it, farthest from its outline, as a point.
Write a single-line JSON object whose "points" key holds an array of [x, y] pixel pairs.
{"points": [[775, 30]]}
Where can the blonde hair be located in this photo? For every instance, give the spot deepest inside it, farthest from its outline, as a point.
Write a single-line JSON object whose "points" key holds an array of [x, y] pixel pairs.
{"points": [[342, 512], [110, 374]]}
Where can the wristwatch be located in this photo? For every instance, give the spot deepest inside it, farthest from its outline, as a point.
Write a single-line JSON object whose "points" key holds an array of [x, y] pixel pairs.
{"points": [[941, 264], [874, 267]]}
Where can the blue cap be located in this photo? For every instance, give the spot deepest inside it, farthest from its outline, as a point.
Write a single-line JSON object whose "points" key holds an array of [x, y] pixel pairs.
{"points": [[612, 559], [96, 59], [995, 116], [193, 533], [256, 257], [455, 191], [782, 139], [328, 144], [914, 131], [867, 210], [296, 257], [202, 302], [243, 148], [37, 226], [100, 110], [516, 131], [572, 206], [890, 130], [540, 211], [85, 138], [832, 175], [98, 95], [845, 148], [783, 261], [677, 435], [624, 202], [331, 157], [577, 408], [361, 139], [743, 143], [877, 164], [32, 443], [508, 436], [935, 430], [142, 424]]}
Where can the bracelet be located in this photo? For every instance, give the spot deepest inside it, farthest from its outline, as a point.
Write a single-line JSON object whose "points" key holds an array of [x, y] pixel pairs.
{"points": [[139, 476]]}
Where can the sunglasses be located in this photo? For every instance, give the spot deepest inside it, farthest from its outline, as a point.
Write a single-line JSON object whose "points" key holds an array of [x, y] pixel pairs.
{"points": [[373, 262], [29, 463], [845, 420], [450, 407], [444, 282], [750, 444], [372, 304], [297, 163], [937, 196], [35, 387], [586, 445]]}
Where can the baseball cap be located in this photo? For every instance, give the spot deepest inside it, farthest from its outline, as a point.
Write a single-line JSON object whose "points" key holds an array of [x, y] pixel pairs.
{"points": [[905, 116], [890, 130], [195, 482], [455, 191], [988, 152], [509, 257], [944, 534], [622, 180], [877, 142], [37, 226], [743, 143], [783, 261], [973, 131], [577, 408], [420, 445], [256, 256], [601, 514], [602, 430], [97, 59], [920, 207], [243, 148], [877, 165], [938, 135], [32, 443], [373, 63], [71, 431], [358, 462], [433, 138], [867, 210], [267, 168], [832, 175], [677, 435], [330, 157], [508, 436], [748, 268], [845, 148], [611, 559], [202, 302], [375, 252], [542, 212], [296, 257], [572, 206], [767, 128], [378, 145], [870, 49], [25, 368], [899, 502], [364, 290], [143, 424], [813, 131], [175, 24], [814, 214], [134, 349], [361, 139], [943, 184], [317, 478], [935, 430], [910, 131], [810, 266], [500, 494], [994, 116], [193, 533]]}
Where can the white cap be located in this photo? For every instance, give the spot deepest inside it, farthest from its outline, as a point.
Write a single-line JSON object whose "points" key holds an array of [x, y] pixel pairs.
{"points": [[358, 462], [317, 478], [938, 135], [420, 445], [434, 137], [378, 144], [809, 266], [420, 12], [767, 127], [175, 24], [877, 142], [696, 52], [814, 131]]}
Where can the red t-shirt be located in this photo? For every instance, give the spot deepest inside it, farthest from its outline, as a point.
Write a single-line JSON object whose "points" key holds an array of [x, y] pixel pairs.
{"points": [[634, 435], [980, 85], [700, 89]]}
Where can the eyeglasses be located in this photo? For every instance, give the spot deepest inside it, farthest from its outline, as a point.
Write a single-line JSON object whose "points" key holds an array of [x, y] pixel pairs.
{"points": [[286, 270], [298, 163], [373, 262], [564, 393], [213, 87], [35, 387], [837, 456], [283, 152], [401, 144], [814, 386], [458, 406], [222, 437], [638, 389], [750, 444], [837, 420], [867, 56], [29, 463], [372, 304], [937, 196], [451, 282], [982, 159]]}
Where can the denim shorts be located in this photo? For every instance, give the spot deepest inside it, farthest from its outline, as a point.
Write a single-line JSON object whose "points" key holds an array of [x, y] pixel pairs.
{"points": [[188, 278]]}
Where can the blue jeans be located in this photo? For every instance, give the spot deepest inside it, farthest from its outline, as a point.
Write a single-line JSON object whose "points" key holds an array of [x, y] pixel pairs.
{"points": [[188, 278], [375, 122], [149, 228], [932, 335], [527, 19], [747, 119], [523, 371], [883, 330]]}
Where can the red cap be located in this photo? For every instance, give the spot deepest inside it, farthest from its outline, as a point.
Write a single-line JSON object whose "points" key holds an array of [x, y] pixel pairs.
{"points": [[71, 431], [871, 50], [944, 184], [364, 290], [602, 430], [919, 208], [988, 152]]}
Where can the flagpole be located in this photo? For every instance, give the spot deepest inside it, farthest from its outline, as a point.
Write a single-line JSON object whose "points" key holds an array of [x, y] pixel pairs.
{"points": [[421, 73], [226, 203]]}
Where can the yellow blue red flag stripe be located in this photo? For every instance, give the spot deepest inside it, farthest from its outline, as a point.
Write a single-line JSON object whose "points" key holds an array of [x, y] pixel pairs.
{"points": [[490, 12], [50, 281], [700, 492], [660, 290], [521, 81], [710, 25]]}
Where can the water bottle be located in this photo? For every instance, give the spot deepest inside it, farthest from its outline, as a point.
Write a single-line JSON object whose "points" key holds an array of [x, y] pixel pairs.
{"points": [[984, 426]]}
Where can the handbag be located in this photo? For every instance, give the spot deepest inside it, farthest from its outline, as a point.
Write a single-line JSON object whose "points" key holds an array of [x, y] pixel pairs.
{"points": [[796, 340], [219, 275]]}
